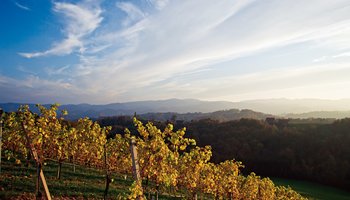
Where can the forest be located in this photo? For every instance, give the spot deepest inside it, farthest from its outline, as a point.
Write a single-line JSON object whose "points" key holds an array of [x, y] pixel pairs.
{"points": [[317, 152]]}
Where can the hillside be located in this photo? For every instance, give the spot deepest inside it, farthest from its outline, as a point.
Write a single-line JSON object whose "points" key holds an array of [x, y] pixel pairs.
{"points": [[320, 114], [297, 108], [129, 108], [222, 116]]}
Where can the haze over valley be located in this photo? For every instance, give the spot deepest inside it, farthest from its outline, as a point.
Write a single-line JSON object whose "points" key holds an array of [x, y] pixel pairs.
{"points": [[258, 109]]}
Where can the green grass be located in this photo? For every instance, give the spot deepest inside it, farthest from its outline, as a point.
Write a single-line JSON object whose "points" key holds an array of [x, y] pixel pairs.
{"points": [[313, 190], [85, 183], [89, 183]]}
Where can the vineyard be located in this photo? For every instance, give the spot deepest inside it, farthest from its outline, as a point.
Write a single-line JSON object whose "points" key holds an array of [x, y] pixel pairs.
{"points": [[163, 162]]}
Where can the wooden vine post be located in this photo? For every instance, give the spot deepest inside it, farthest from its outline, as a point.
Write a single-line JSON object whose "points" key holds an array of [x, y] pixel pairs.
{"points": [[41, 177], [40, 173], [135, 164], [108, 178]]}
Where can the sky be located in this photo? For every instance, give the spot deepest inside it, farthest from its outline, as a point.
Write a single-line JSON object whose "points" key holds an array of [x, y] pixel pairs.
{"points": [[105, 51]]}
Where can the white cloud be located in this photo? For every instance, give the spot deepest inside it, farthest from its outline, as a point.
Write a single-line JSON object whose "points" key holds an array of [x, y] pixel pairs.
{"points": [[158, 4], [333, 57], [80, 20], [51, 71], [33, 89], [178, 50], [22, 6], [320, 59], [26, 70], [188, 35], [64, 47], [344, 54], [133, 13], [310, 81]]}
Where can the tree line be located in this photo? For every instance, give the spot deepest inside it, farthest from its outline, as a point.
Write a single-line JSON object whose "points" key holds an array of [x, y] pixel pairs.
{"points": [[315, 152], [305, 151]]}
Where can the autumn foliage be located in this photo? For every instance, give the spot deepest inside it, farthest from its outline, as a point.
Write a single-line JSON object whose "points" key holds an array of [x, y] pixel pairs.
{"points": [[167, 159]]}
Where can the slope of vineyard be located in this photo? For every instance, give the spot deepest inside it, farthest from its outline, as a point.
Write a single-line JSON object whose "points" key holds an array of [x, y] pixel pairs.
{"points": [[168, 160], [17, 181]]}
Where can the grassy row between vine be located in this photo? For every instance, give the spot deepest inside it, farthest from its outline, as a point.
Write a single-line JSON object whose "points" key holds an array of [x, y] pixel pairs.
{"points": [[18, 182]]}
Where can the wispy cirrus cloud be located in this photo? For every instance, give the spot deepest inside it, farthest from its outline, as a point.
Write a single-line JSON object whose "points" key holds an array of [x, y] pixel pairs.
{"points": [[22, 6], [134, 14], [158, 4], [188, 36], [341, 55], [52, 71], [230, 50], [79, 20], [20, 90]]}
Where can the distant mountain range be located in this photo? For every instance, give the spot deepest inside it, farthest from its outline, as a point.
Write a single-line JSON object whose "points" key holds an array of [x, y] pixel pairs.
{"points": [[320, 114], [139, 107], [300, 108], [223, 115]]}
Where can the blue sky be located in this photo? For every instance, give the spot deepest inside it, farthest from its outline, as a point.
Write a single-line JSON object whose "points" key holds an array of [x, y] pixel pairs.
{"points": [[95, 51]]}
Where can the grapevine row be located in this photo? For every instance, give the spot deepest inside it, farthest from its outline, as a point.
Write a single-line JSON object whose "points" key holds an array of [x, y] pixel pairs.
{"points": [[166, 158]]}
